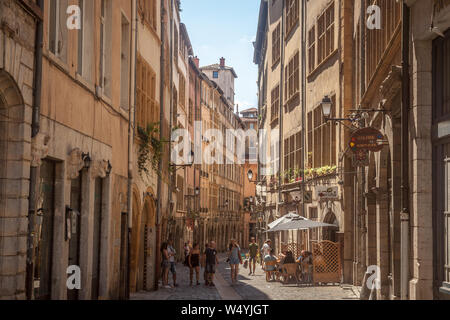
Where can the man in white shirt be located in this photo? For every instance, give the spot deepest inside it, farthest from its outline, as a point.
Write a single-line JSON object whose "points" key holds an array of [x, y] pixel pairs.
{"points": [[172, 253], [265, 250]]}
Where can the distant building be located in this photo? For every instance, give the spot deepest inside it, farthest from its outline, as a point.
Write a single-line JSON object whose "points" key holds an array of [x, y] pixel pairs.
{"points": [[222, 75], [249, 119]]}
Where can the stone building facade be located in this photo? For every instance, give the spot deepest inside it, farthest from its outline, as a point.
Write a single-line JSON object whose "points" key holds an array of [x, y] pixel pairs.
{"points": [[249, 117], [17, 66], [372, 76]]}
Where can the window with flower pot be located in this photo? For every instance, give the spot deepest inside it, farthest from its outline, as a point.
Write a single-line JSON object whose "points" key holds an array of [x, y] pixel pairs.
{"points": [[293, 159]]}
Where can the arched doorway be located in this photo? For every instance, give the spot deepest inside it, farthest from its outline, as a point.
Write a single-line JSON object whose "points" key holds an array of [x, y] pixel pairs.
{"points": [[135, 241], [147, 250], [329, 233], [14, 143]]}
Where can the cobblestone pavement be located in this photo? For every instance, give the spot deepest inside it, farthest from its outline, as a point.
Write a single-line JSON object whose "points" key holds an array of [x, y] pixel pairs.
{"points": [[248, 288], [184, 291], [256, 288]]}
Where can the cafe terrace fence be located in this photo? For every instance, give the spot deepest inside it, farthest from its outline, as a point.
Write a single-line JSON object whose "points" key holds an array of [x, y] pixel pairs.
{"points": [[326, 262]]}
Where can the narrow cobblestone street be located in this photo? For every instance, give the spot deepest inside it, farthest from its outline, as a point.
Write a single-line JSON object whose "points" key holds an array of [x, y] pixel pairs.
{"points": [[248, 288]]}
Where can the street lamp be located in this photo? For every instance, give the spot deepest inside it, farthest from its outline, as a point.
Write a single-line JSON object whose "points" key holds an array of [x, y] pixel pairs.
{"points": [[86, 160], [250, 177], [356, 116], [326, 107]]}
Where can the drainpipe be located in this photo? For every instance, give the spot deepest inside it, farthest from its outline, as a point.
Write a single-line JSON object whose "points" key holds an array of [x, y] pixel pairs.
{"points": [[280, 117], [171, 124], [404, 215], [161, 120], [131, 133], [304, 16], [35, 128]]}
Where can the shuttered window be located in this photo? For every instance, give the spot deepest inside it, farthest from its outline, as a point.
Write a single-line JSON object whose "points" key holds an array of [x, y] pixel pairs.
{"points": [[292, 77], [276, 44], [147, 108], [148, 12]]}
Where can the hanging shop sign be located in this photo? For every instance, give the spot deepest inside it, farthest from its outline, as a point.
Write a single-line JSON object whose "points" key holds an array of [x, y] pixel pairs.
{"points": [[327, 193], [360, 158], [369, 139]]}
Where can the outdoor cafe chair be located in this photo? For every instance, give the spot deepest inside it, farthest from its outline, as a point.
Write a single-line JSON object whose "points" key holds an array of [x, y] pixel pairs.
{"points": [[290, 270], [270, 274]]}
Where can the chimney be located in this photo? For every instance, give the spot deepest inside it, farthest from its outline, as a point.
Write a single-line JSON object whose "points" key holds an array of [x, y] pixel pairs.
{"points": [[222, 62], [197, 62]]}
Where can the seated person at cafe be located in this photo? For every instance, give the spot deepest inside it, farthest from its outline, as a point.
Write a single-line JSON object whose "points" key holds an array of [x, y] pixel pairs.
{"points": [[268, 258], [289, 258]]}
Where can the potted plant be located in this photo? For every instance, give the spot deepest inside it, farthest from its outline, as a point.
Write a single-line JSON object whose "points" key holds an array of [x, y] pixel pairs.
{"points": [[298, 174]]}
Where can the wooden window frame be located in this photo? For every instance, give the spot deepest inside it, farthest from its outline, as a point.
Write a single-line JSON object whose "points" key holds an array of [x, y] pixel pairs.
{"points": [[312, 49], [148, 11], [323, 137], [326, 33], [275, 104], [147, 109], [276, 45], [292, 15], [292, 77]]}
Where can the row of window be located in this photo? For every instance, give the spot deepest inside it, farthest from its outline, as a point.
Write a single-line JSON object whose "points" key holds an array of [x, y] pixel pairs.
{"points": [[325, 38], [58, 44]]}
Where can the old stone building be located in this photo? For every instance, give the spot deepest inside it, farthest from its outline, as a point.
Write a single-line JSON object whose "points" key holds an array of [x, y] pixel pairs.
{"points": [[249, 117], [388, 74], [17, 82], [224, 76], [77, 149], [221, 185]]}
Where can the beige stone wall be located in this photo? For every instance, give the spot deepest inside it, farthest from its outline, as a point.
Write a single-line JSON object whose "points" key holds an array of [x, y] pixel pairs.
{"points": [[16, 81]]}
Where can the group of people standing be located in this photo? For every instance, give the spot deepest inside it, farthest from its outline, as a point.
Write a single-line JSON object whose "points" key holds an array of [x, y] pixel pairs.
{"points": [[195, 259]]}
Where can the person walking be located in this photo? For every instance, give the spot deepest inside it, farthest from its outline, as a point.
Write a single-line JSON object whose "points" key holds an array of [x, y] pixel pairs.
{"points": [[205, 274], [265, 251], [165, 265], [172, 253], [211, 262], [187, 250], [253, 252], [235, 258], [194, 263]]}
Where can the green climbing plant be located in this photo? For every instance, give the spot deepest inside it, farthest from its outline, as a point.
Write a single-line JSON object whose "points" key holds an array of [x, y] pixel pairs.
{"points": [[150, 149]]}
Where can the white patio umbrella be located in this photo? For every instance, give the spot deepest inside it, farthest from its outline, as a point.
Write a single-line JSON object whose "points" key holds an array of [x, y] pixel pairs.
{"points": [[286, 218], [300, 223]]}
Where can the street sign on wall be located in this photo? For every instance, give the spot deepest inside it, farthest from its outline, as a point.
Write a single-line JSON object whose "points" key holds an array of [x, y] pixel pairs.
{"points": [[327, 193], [307, 197], [368, 139]]}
